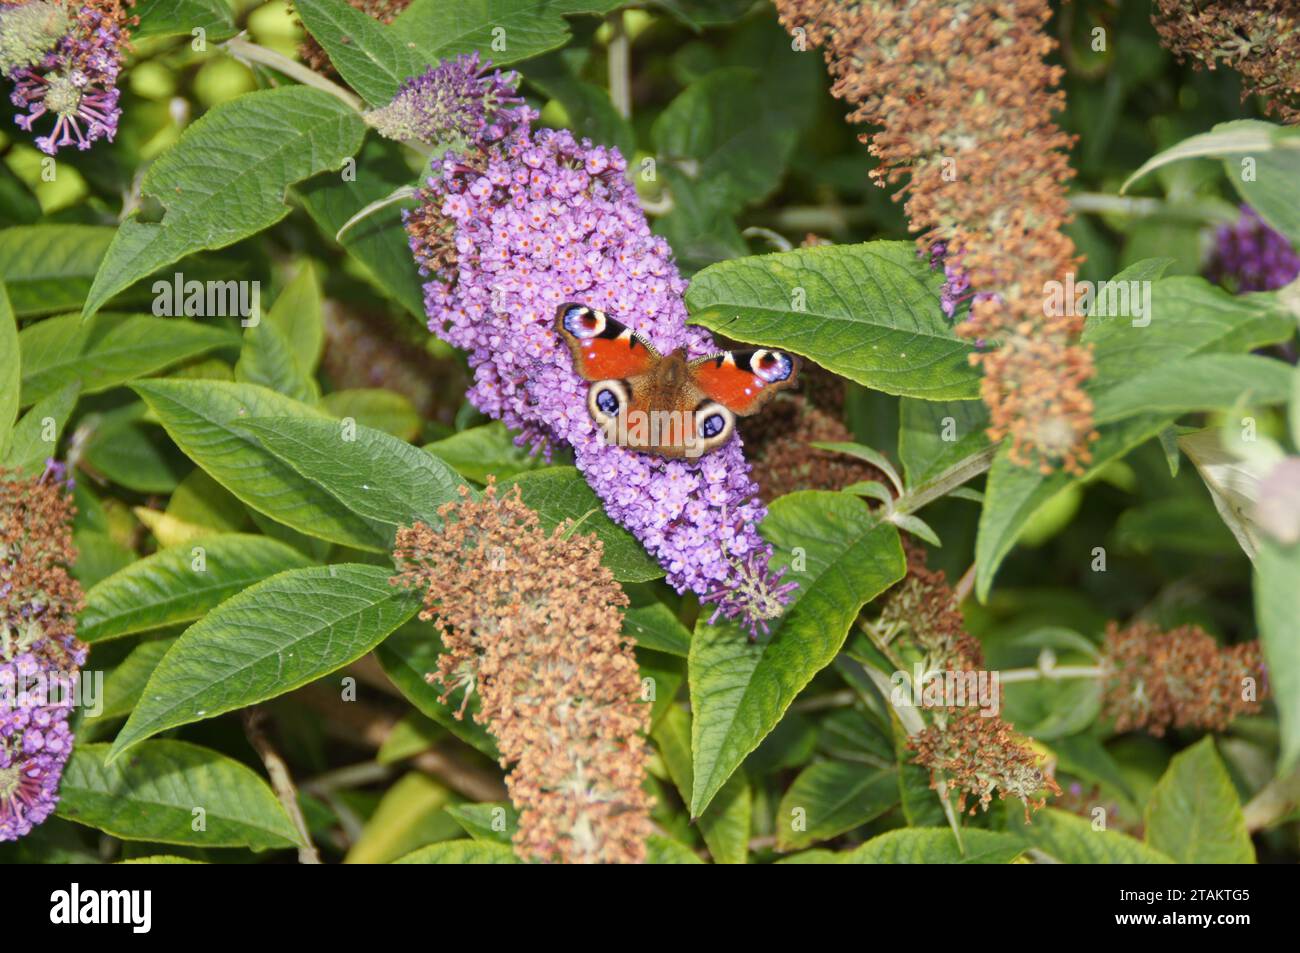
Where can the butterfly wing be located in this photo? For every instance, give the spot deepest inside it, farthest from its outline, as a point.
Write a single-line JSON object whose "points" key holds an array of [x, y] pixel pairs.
{"points": [[743, 381], [602, 348]]}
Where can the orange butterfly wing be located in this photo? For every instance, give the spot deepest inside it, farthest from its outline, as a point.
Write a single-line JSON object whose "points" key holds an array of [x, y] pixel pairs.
{"points": [[602, 348], [743, 381]]}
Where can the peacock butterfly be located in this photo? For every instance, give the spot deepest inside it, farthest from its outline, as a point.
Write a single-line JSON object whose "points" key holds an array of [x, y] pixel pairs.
{"points": [[666, 404]]}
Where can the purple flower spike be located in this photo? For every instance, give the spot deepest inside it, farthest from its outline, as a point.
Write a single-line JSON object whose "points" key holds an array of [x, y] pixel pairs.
{"points": [[76, 81], [453, 103], [1250, 256], [515, 225], [35, 742]]}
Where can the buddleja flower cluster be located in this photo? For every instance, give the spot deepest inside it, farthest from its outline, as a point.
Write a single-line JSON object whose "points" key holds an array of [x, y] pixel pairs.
{"points": [[1260, 39], [63, 59], [967, 751], [530, 620], [1248, 255], [523, 220], [1181, 678], [39, 650], [964, 102]]}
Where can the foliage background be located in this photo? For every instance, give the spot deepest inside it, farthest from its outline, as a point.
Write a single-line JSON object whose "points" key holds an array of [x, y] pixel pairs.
{"points": [[751, 153]]}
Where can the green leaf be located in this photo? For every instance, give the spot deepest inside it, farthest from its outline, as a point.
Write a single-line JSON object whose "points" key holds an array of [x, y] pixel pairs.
{"points": [[560, 493], [275, 636], [725, 824], [36, 436], [49, 268], [378, 242], [267, 359], [1277, 607], [108, 350], [489, 450], [120, 448], [935, 435], [933, 845], [867, 312], [172, 17], [1193, 815], [1241, 136], [716, 134], [831, 797], [493, 821], [842, 559], [157, 794], [1189, 318], [407, 656], [205, 419], [370, 56], [298, 314], [10, 370], [125, 684], [18, 206], [665, 850], [462, 852], [411, 734], [1071, 839], [383, 481], [655, 627], [380, 409], [1201, 382], [225, 179], [442, 30], [166, 589], [409, 815]]}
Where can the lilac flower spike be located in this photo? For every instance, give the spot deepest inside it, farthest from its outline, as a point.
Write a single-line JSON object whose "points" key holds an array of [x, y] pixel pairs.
{"points": [[511, 228], [1250, 256], [75, 78], [40, 654], [450, 104]]}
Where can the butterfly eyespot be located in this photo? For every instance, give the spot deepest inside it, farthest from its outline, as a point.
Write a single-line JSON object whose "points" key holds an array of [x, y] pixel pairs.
{"points": [[583, 322], [771, 366], [607, 401], [712, 425]]}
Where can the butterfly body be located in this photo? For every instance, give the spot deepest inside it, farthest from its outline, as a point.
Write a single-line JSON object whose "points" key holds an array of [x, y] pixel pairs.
{"points": [[666, 404]]}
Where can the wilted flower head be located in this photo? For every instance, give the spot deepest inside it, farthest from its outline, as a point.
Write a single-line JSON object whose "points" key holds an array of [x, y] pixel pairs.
{"points": [[29, 33], [530, 620], [448, 104], [511, 229], [76, 81], [1260, 39], [964, 99], [1181, 678], [969, 751], [785, 461], [1248, 255], [38, 644]]}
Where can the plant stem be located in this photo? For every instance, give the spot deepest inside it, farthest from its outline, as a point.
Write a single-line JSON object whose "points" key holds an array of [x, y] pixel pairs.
{"points": [[247, 52], [1054, 673], [281, 781], [620, 65]]}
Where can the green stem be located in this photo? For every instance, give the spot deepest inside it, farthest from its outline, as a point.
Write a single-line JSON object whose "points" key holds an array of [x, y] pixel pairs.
{"points": [[247, 52], [620, 65]]}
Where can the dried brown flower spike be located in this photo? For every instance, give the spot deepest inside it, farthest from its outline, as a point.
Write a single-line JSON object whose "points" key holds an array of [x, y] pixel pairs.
{"points": [[1260, 39], [530, 620], [963, 100], [1181, 678]]}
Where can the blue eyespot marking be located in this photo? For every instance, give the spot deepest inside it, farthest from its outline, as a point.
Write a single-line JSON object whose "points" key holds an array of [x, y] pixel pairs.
{"points": [[582, 322], [607, 401], [712, 426], [772, 365]]}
